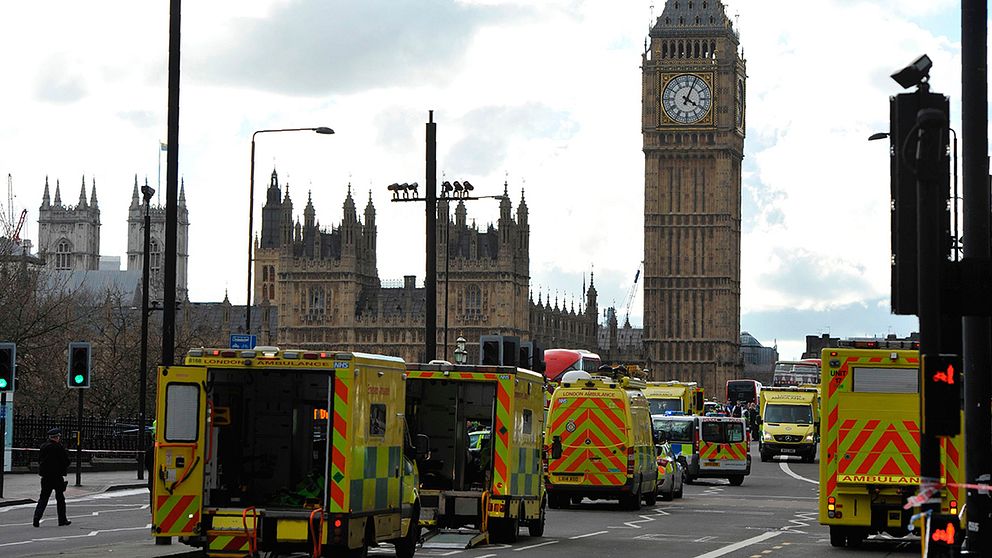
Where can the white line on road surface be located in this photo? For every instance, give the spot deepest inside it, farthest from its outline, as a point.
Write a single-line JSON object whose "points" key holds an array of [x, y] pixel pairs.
{"points": [[581, 536], [534, 545], [785, 469], [487, 556], [66, 537], [739, 545]]}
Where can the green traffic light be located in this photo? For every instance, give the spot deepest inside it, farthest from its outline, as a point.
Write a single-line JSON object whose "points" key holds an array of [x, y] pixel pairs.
{"points": [[3, 383], [78, 378]]}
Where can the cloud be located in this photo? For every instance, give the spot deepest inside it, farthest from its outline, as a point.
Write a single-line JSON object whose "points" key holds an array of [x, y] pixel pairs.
{"points": [[140, 118], [59, 83], [317, 47], [491, 130]]}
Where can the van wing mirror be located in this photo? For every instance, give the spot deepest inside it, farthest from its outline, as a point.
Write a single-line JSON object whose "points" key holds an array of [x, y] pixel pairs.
{"points": [[422, 445], [556, 447], [699, 401]]}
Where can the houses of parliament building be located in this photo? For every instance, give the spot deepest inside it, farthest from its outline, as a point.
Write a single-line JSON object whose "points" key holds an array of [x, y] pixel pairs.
{"points": [[324, 284]]}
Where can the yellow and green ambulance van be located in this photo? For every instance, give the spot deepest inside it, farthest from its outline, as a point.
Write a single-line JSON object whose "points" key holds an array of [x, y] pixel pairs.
{"points": [[600, 442]]}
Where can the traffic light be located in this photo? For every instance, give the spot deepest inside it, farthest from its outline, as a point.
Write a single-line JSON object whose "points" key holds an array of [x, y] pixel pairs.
{"points": [[80, 364], [904, 110], [942, 395], [8, 366], [944, 536]]}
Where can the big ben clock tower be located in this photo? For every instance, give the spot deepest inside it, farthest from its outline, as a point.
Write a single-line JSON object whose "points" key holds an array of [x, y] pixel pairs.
{"points": [[693, 117]]}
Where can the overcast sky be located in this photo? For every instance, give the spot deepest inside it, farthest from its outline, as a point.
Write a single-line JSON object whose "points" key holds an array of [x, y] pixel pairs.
{"points": [[545, 95]]}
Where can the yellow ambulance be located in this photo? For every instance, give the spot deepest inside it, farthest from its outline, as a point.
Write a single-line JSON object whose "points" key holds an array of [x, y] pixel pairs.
{"points": [[494, 484], [790, 422], [600, 442], [674, 398], [284, 451], [869, 462]]}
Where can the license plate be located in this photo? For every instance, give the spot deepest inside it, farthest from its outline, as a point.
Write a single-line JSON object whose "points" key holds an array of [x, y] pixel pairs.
{"points": [[788, 450], [569, 478], [711, 464], [495, 508]]}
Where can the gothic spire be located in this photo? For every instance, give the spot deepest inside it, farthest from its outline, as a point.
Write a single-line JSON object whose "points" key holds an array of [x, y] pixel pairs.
{"points": [[135, 201], [182, 192], [46, 201], [82, 194], [58, 193], [93, 193]]}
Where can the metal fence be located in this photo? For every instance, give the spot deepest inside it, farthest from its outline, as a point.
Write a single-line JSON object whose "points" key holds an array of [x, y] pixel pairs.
{"points": [[101, 438]]}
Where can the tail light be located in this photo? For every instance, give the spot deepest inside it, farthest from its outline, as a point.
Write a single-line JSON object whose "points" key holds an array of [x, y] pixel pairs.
{"points": [[338, 534], [831, 503], [954, 507], [695, 441], [630, 461]]}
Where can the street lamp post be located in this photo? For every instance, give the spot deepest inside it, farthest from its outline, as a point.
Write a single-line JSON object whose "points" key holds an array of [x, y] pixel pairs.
{"points": [[251, 206], [146, 194]]}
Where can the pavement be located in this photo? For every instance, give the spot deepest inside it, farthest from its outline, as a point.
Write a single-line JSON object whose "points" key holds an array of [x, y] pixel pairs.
{"points": [[102, 492], [23, 488]]}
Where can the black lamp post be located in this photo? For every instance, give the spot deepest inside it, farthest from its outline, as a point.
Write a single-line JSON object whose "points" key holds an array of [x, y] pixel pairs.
{"points": [[146, 193], [251, 206]]}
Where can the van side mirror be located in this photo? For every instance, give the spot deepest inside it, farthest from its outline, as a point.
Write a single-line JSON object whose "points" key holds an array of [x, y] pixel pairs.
{"points": [[699, 401], [422, 445], [556, 447]]}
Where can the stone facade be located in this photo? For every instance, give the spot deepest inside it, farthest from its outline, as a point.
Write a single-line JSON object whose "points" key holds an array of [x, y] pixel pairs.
{"points": [[156, 263], [324, 282], [69, 240], [693, 129], [69, 236]]}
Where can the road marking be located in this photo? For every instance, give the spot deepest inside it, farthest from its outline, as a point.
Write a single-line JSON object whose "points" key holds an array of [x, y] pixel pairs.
{"points": [[707, 538], [535, 545], [66, 537], [578, 537], [739, 545], [785, 469], [486, 556]]}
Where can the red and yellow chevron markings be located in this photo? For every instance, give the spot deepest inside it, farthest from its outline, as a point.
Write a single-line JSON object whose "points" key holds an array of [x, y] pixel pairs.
{"points": [[339, 458], [177, 514], [227, 543], [592, 445], [504, 422], [712, 450]]}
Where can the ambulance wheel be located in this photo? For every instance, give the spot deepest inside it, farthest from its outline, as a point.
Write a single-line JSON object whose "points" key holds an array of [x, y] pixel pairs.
{"points": [[504, 530], [838, 536], [652, 498], [679, 492], [557, 501], [535, 527], [736, 480], [766, 456], [631, 502], [407, 546], [576, 500], [855, 537]]}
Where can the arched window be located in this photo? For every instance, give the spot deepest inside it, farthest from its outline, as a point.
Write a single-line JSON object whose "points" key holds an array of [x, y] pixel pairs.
{"points": [[473, 301], [265, 273], [63, 255], [154, 257]]}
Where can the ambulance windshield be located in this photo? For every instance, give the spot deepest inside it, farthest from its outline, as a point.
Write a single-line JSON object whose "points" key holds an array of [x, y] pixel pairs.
{"points": [[791, 414]]}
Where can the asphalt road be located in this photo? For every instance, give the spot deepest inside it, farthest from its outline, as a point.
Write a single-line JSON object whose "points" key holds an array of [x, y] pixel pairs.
{"points": [[773, 515]]}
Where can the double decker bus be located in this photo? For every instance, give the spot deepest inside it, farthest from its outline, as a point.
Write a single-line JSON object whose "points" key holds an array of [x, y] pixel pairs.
{"points": [[743, 391], [559, 361], [795, 373]]}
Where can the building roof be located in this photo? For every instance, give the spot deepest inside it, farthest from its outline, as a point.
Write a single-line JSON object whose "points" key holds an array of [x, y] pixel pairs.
{"points": [[693, 16]]}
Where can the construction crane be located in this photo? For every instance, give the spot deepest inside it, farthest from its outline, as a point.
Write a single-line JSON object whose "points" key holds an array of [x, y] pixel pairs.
{"points": [[631, 295], [12, 228]]}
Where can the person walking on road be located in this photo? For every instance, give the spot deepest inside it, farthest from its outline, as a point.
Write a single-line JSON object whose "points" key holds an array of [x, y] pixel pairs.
{"points": [[53, 466]]}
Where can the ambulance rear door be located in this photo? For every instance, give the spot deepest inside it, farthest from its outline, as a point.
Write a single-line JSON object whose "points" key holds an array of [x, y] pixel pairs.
{"points": [[179, 450]]}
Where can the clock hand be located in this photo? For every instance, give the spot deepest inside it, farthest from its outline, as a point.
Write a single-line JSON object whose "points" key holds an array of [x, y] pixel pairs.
{"points": [[686, 99]]}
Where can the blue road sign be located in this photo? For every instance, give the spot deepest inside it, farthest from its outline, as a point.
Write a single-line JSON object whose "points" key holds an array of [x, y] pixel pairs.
{"points": [[241, 341]]}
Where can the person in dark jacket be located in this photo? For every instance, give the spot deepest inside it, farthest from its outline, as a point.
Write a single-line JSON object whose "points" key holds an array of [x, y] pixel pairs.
{"points": [[53, 466]]}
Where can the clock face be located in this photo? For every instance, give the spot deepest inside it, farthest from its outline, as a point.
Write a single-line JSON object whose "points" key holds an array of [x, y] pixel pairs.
{"points": [[686, 99]]}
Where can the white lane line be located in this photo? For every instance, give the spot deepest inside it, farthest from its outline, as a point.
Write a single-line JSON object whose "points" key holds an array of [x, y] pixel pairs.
{"points": [[67, 537], [785, 469], [487, 556], [739, 545], [581, 536], [534, 546]]}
